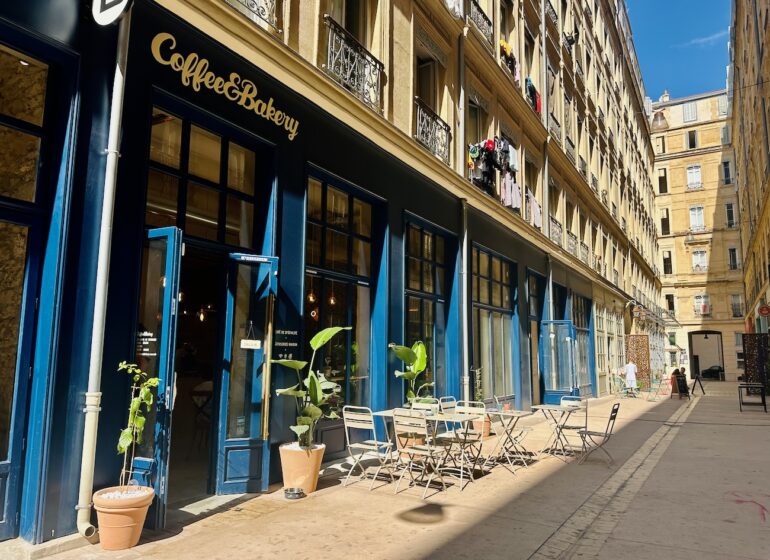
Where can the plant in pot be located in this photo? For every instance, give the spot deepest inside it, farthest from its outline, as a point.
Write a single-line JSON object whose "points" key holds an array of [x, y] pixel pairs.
{"points": [[121, 510], [415, 361], [483, 426], [314, 397]]}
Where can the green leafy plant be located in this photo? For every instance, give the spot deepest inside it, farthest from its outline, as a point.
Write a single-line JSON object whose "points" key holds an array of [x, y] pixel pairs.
{"points": [[141, 395], [313, 394], [415, 360]]}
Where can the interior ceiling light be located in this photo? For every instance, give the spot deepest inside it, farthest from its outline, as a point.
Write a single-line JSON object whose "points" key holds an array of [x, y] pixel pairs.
{"points": [[23, 62]]}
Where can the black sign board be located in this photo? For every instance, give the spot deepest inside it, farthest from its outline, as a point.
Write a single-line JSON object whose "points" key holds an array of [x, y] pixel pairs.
{"points": [[681, 384]]}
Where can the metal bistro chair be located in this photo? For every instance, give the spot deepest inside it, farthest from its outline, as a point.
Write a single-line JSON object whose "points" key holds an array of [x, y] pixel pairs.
{"points": [[508, 448], [427, 405], [468, 440], [360, 418], [410, 426], [581, 402], [596, 440], [447, 404]]}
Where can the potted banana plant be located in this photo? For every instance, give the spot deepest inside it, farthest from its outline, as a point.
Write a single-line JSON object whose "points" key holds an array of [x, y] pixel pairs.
{"points": [[415, 360], [121, 510], [314, 398]]}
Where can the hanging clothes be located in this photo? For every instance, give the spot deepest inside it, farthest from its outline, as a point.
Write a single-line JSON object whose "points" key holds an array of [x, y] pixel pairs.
{"points": [[537, 102], [537, 215], [515, 194], [513, 158], [506, 182]]}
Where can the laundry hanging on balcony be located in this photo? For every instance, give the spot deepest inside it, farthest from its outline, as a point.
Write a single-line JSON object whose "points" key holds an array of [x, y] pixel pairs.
{"points": [[510, 192], [534, 209], [533, 95], [482, 162]]}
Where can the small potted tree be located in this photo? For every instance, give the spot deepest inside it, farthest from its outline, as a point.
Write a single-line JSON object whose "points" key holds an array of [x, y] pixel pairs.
{"points": [[121, 510], [314, 396]]}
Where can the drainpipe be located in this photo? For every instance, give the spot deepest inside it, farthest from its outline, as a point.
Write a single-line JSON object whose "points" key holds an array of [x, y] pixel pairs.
{"points": [[94, 395], [466, 385]]}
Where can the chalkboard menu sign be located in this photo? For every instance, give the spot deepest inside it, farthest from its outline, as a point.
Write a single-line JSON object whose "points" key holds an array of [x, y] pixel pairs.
{"points": [[681, 384]]}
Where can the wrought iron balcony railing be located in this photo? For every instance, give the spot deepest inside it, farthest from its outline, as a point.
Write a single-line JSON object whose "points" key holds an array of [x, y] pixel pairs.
{"points": [[257, 10], [616, 277], [583, 167], [594, 183], [480, 20], [554, 127], [551, 13], [588, 13], [695, 186], [698, 268], [556, 231], [623, 224], [737, 310], [584, 252], [579, 71], [431, 131], [352, 66], [570, 149], [572, 243]]}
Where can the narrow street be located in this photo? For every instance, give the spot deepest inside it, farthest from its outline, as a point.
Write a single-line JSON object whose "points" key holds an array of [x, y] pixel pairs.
{"points": [[689, 481]]}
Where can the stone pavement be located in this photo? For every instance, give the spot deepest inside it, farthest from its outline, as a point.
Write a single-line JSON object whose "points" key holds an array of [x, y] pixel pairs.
{"points": [[690, 481]]}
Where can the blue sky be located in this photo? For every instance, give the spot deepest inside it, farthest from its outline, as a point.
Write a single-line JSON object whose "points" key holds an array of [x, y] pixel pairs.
{"points": [[681, 44]]}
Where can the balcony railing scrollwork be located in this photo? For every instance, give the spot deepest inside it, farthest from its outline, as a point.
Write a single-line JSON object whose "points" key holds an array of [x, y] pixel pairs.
{"points": [[480, 20], [594, 183], [431, 131], [583, 167], [257, 10], [572, 243], [556, 231], [354, 67], [570, 149], [554, 127], [551, 13], [579, 71], [584, 252]]}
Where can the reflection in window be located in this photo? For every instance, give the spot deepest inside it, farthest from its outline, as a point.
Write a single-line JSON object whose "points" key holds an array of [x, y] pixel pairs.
{"points": [[241, 165], [240, 222], [162, 193], [19, 156], [202, 212], [23, 83], [166, 141], [205, 151]]}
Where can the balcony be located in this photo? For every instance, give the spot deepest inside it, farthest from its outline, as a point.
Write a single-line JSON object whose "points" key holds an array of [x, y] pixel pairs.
{"points": [[694, 186], [623, 224], [737, 310], [594, 183], [431, 131], [583, 167], [554, 127], [352, 66], [732, 225], [584, 252], [700, 268], [614, 211], [550, 12], [556, 231], [588, 13], [605, 197], [258, 11], [579, 71], [697, 228], [572, 244], [616, 277], [600, 115], [570, 150], [702, 310], [734, 265], [611, 137], [480, 20]]}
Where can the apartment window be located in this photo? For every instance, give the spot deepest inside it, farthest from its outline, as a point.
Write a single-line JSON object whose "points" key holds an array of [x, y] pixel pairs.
{"points": [[730, 214], [670, 303], [665, 223], [672, 358], [726, 172], [722, 105], [475, 131], [732, 258], [506, 20], [668, 265], [353, 15], [739, 340], [699, 262], [696, 218], [726, 134], [426, 86], [692, 139], [702, 306], [736, 305], [529, 56], [740, 360], [693, 177], [660, 144], [690, 112], [672, 339], [662, 181]]}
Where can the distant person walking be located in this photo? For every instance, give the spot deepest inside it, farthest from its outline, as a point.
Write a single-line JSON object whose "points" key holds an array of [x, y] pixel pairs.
{"points": [[630, 369]]}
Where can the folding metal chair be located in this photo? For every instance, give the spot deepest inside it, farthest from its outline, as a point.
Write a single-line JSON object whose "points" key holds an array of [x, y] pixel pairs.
{"points": [[467, 440], [360, 418], [427, 405], [409, 426], [447, 404], [508, 448], [597, 440]]}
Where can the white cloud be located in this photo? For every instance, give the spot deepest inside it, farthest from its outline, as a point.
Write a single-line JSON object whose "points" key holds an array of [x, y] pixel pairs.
{"points": [[706, 41]]}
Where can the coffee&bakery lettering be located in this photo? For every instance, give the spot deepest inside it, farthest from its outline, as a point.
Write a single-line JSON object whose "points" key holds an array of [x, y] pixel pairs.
{"points": [[195, 73]]}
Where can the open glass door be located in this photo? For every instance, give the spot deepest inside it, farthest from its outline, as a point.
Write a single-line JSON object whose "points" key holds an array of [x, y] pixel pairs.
{"points": [[557, 348], [155, 348], [243, 451]]}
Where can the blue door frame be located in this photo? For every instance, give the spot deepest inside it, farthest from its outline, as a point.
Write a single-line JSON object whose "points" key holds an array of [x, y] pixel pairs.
{"points": [[557, 349], [243, 449]]}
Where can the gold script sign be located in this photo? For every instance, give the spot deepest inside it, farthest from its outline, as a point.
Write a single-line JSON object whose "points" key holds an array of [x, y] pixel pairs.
{"points": [[194, 72]]}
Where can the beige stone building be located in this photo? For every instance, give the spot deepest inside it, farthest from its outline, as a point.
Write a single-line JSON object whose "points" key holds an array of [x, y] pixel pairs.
{"points": [[748, 87], [698, 219]]}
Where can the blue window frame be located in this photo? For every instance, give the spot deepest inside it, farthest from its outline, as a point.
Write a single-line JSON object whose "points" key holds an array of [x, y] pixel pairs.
{"points": [[338, 284], [492, 296], [426, 299]]}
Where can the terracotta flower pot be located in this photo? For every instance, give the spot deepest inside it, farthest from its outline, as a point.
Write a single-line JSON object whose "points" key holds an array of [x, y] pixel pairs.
{"points": [[121, 518], [483, 426], [300, 465]]}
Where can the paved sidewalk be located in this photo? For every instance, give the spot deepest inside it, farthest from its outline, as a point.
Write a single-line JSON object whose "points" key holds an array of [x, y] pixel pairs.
{"points": [[690, 481]]}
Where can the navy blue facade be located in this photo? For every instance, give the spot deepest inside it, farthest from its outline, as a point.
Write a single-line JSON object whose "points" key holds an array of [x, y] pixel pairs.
{"points": [[82, 55]]}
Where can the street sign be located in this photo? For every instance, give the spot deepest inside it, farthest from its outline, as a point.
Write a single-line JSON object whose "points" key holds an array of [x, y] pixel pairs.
{"points": [[106, 12], [764, 310]]}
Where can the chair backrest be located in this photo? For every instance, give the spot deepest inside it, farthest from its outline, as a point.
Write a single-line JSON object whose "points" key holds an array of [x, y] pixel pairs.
{"points": [[428, 404], [447, 404], [611, 421], [408, 423], [470, 407], [357, 418]]}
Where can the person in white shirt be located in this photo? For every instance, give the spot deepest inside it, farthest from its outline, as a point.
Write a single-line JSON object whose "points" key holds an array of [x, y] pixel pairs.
{"points": [[630, 375]]}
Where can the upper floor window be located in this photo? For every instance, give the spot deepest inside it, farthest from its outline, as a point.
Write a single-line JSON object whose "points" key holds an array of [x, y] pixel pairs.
{"points": [[662, 181], [722, 105], [690, 111], [353, 15], [730, 214], [732, 258], [725, 134], [696, 218], [426, 87], [665, 222], [692, 140], [668, 267], [670, 306], [726, 172], [699, 260], [661, 144], [693, 177]]}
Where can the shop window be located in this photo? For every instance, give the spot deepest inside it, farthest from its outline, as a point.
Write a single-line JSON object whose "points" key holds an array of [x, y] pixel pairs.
{"points": [[425, 296], [185, 172], [492, 286], [337, 285]]}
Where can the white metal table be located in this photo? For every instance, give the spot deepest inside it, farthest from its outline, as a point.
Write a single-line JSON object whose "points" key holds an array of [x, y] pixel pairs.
{"points": [[556, 445]]}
